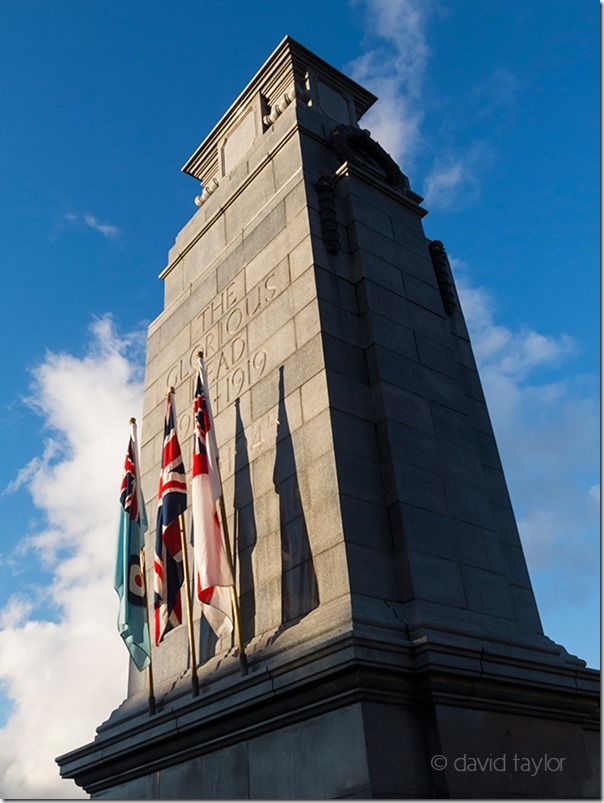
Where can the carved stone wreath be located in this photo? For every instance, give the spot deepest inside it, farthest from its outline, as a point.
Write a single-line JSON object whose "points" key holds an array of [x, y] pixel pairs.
{"points": [[354, 144]]}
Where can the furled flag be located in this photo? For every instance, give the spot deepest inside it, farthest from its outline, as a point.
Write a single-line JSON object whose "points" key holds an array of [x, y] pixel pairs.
{"points": [[212, 569], [132, 622], [172, 503]]}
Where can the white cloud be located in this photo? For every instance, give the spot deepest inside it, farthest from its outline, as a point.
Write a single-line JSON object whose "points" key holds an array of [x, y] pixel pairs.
{"points": [[444, 179], [454, 178], [50, 670], [394, 66], [546, 420], [25, 474], [108, 231], [15, 611], [103, 228], [498, 349], [394, 70]]}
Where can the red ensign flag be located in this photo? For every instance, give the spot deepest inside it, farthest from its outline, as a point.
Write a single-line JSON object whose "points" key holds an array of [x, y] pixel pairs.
{"points": [[213, 573]]}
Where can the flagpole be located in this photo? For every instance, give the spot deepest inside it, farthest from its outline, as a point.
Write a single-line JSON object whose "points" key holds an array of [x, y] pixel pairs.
{"points": [[227, 543], [143, 572], [150, 667], [185, 564]]}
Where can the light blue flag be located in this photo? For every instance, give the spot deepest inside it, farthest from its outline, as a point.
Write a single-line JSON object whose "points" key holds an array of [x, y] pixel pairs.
{"points": [[132, 622]]}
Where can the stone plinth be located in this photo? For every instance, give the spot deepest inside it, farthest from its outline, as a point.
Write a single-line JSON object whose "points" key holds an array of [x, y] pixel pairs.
{"points": [[387, 609]]}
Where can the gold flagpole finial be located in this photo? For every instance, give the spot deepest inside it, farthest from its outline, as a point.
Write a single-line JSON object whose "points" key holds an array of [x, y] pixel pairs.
{"points": [[132, 421], [171, 389], [200, 355]]}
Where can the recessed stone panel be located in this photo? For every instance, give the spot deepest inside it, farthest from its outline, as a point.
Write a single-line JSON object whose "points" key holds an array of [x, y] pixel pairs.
{"points": [[279, 762], [238, 141], [218, 776]]}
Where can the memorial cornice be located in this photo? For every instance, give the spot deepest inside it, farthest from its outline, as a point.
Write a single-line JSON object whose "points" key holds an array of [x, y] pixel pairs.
{"points": [[411, 200], [288, 67]]}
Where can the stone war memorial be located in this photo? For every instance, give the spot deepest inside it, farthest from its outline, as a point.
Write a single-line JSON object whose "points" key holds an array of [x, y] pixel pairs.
{"points": [[394, 646]]}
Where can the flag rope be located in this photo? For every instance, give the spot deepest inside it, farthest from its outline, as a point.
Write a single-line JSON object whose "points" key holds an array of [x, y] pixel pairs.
{"points": [[242, 656], [150, 667], [185, 563]]}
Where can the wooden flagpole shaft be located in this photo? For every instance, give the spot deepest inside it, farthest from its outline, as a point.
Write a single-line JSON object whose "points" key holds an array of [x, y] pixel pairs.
{"points": [[185, 565], [150, 667], [151, 692], [242, 656]]}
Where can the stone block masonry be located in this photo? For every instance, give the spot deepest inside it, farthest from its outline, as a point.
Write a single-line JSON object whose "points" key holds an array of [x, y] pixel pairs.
{"points": [[387, 611]]}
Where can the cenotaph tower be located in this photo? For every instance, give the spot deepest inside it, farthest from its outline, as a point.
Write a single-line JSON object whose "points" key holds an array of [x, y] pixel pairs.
{"points": [[388, 614]]}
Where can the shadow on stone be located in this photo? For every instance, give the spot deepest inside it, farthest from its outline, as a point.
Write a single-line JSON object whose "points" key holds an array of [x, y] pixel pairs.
{"points": [[299, 589], [207, 642], [244, 530], [206, 638]]}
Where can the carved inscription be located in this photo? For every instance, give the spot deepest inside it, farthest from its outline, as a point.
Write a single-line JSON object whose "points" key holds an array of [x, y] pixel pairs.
{"points": [[261, 436], [220, 331]]}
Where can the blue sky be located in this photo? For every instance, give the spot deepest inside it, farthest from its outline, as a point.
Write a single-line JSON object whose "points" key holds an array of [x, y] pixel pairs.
{"points": [[492, 111]]}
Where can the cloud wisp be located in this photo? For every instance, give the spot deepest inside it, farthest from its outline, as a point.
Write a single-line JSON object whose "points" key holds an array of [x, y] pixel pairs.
{"points": [[454, 178], [393, 67], [108, 231], [62, 664]]}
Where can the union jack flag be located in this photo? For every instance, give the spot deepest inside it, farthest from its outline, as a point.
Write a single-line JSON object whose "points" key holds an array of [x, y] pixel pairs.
{"points": [[168, 564], [213, 572]]}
